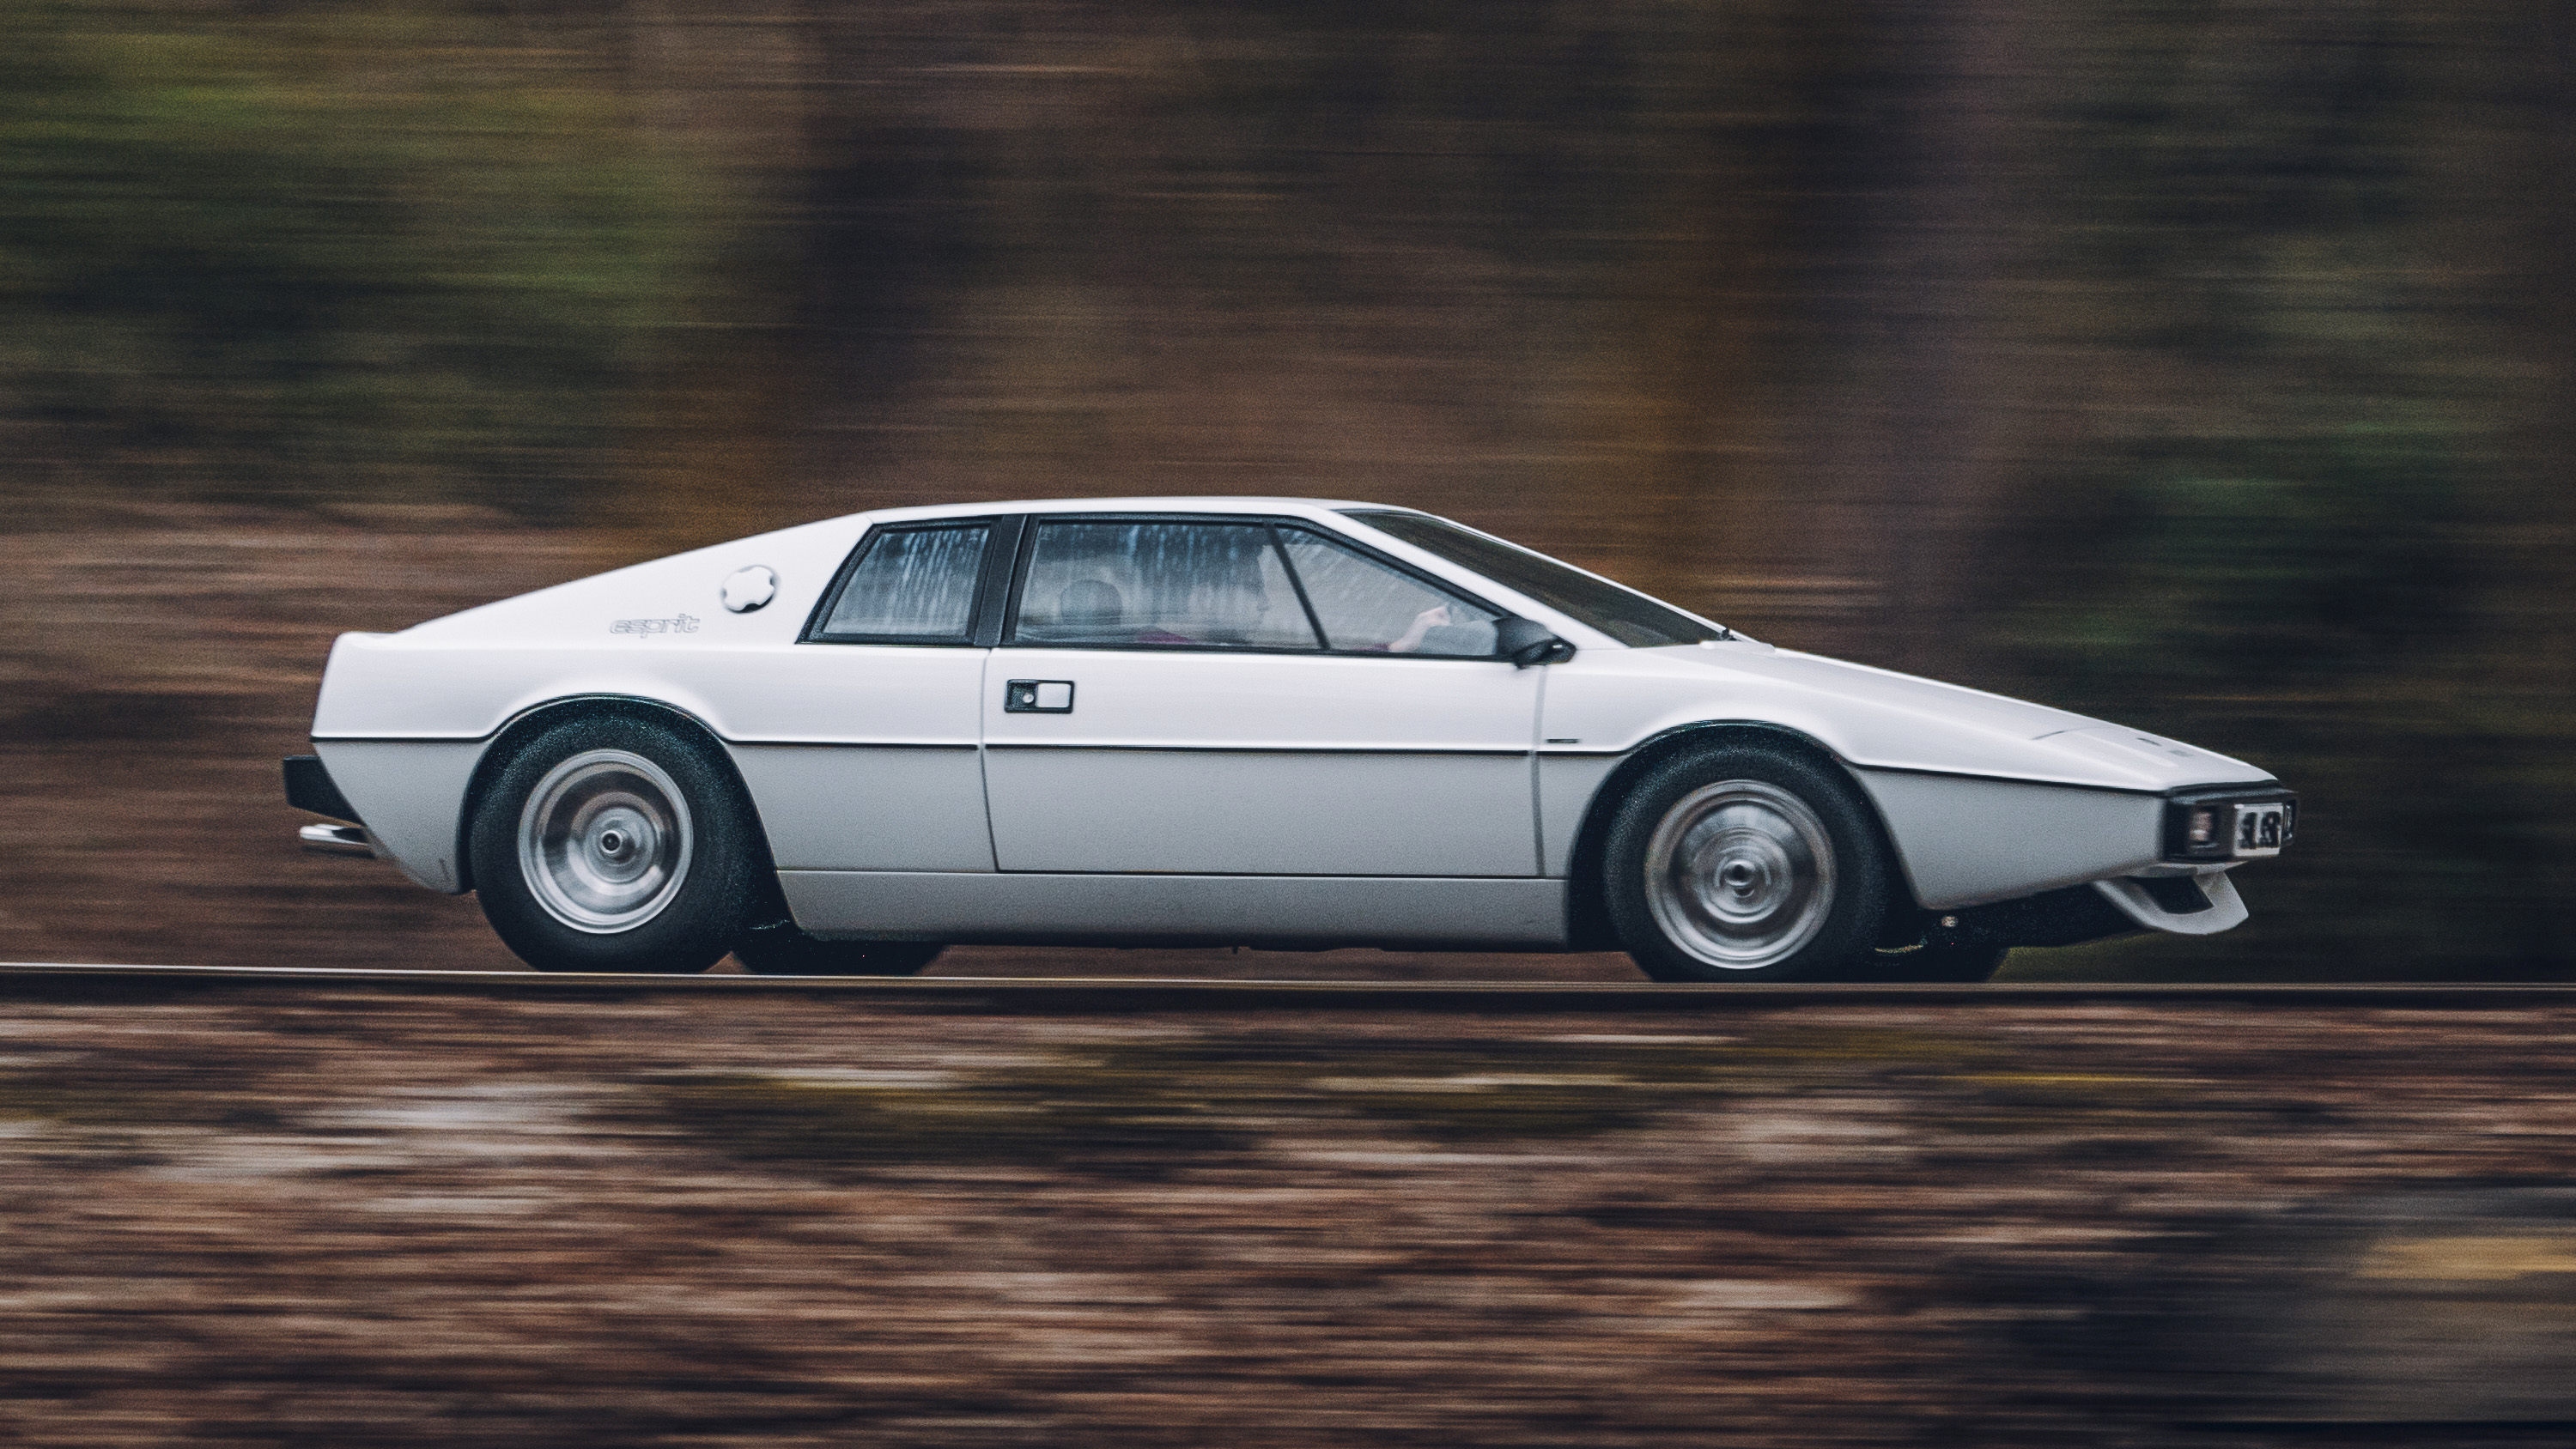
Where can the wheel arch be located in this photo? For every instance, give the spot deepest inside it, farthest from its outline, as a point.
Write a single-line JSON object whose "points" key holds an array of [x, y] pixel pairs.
{"points": [[1586, 907], [536, 719]]}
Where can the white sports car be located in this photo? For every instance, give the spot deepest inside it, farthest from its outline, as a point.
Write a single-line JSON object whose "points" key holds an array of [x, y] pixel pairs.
{"points": [[1249, 721]]}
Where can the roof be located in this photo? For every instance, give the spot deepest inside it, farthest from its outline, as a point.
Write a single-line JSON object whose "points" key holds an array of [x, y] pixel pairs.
{"points": [[1204, 504]]}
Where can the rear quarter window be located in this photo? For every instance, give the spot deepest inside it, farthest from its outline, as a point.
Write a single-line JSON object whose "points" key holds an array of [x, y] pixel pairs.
{"points": [[910, 586]]}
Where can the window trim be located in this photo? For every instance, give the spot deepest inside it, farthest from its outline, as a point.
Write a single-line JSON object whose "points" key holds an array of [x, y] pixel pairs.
{"points": [[993, 593], [1273, 523], [996, 542], [1297, 585]]}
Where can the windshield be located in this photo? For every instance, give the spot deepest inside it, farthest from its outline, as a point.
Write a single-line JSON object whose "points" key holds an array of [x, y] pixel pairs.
{"points": [[1624, 614]]}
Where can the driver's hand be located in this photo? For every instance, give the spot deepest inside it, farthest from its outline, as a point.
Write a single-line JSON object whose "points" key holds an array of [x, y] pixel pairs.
{"points": [[1423, 623]]}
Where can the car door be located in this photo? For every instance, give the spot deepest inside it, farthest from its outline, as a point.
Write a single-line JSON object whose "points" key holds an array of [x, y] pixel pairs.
{"points": [[1173, 695], [869, 754]]}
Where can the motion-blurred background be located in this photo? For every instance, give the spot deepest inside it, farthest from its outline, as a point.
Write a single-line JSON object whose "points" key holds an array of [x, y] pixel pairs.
{"points": [[2206, 366]]}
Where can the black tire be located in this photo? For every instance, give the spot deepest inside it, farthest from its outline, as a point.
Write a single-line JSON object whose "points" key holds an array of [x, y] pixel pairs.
{"points": [[1747, 862], [663, 796], [1941, 963], [779, 949]]}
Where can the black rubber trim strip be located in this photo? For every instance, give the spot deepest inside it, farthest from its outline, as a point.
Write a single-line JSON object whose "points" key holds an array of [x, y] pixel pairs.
{"points": [[1314, 621], [1851, 764], [969, 746], [1265, 651], [993, 591], [1542, 753], [2138, 790], [541, 707], [2175, 792], [309, 786], [1840, 758], [1186, 875], [1255, 749], [2256, 793], [484, 738], [753, 744], [724, 739]]}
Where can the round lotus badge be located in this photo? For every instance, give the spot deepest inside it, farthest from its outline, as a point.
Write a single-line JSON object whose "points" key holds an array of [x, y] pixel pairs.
{"points": [[748, 589]]}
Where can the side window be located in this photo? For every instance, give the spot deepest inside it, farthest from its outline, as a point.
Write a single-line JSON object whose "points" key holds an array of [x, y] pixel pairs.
{"points": [[1159, 584], [912, 586], [1365, 605]]}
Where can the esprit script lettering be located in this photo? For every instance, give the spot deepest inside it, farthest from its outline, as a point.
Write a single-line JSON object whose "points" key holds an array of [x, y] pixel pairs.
{"points": [[682, 624]]}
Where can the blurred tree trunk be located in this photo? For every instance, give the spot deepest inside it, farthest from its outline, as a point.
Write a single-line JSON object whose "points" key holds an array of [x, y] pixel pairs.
{"points": [[2540, 273], [2546, 267], [715, 450], [1914, 432], [1694, 451]]}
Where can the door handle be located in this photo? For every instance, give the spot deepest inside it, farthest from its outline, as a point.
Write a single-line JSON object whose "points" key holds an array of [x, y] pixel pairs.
{"points": [[1038, 696]]}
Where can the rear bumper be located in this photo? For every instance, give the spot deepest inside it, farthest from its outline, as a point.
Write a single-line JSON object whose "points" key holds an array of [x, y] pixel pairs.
{"points": [[337, 840], [309, 786]]}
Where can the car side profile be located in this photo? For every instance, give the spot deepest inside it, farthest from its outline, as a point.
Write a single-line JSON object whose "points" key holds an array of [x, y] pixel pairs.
{"points": [[840, 747]]}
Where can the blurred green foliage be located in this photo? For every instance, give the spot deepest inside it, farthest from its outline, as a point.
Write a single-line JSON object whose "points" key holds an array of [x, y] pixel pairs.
{"points": [[388, 246], [2317, 605], [2315, 514]]}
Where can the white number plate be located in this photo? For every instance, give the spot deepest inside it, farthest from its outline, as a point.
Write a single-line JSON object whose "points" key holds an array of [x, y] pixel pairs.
{"points": [[2258, 830]]}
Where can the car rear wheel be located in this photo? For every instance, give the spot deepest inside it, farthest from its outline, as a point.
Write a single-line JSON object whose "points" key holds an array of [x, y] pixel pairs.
{"points": [[616, 844], [779, 949], [1746, 863]]}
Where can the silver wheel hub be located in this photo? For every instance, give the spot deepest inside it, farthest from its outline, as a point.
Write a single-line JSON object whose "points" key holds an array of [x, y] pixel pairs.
{"points": [[604, 841], [1740, 874]]}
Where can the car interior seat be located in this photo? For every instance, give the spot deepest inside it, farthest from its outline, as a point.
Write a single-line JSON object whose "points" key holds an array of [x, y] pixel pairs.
{"points": [[1090, 605]]}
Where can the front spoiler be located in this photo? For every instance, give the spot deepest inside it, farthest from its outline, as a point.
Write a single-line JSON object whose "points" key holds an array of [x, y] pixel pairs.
{"points": [[2193, 905], [2151, 902]]}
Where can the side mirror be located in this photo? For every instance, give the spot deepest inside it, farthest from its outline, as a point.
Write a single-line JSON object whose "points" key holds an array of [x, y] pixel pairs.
{"points": [[1527, 641]]}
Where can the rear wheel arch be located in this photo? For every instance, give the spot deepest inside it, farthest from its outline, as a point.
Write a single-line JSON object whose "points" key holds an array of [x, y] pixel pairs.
{"points": [[530, 723], [1587, 908]]}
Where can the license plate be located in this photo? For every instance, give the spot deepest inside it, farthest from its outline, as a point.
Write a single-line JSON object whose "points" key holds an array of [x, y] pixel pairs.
{"points": [[2259, 829]]}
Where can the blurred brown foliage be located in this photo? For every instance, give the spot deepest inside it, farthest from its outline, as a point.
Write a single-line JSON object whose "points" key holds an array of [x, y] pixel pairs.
{"points": [[2202, 365], [307, 1217]]}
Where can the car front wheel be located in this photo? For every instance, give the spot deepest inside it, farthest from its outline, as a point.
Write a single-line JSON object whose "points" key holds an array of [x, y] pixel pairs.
{"points": [[1745, 862], [616, 844]]}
